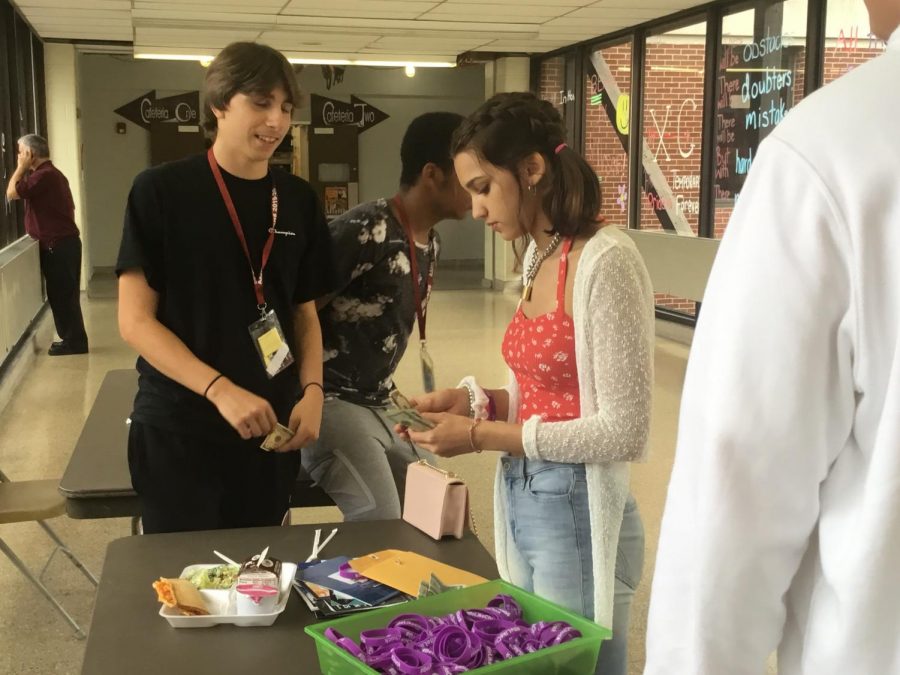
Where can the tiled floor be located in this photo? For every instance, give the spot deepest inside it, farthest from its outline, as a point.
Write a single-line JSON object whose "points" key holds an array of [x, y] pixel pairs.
{"points": [[40, 426]]}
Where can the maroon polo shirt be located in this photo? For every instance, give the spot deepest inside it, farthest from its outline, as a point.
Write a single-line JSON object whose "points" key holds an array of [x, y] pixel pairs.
{"points": [[49, 209]]}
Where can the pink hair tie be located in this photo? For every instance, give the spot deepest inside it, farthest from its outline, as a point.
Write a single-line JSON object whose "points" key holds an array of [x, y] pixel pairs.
{"points": [[559, 148]]}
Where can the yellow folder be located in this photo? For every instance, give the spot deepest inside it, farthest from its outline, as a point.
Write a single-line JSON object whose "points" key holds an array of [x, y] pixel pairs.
{"points": [[405, 570]]}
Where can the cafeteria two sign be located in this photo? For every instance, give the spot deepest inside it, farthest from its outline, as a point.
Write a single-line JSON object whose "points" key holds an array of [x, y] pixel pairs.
{"points": [[148, 109], [329, 112]]}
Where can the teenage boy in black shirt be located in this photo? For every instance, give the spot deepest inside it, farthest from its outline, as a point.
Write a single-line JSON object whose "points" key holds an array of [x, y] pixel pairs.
{"points": [[208, 285]]}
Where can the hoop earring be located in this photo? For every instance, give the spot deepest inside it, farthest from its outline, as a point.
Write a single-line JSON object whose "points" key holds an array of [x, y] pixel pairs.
{"points": [[532, 190]]}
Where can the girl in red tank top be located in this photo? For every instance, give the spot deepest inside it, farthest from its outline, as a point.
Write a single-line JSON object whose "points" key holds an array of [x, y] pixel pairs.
{"points": [[578, 406]]}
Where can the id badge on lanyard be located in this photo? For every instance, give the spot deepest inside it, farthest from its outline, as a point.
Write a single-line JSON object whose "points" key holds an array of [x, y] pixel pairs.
{"points": [[427, 368], [270, 343], [266, 333], [421, 309]]}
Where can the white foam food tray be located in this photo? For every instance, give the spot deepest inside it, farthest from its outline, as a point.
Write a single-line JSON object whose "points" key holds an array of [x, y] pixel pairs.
{"points": [[221, 604]]}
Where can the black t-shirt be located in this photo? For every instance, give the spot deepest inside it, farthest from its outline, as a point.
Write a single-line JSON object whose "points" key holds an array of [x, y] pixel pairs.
{"points": [[367, 325], [177, 230]]}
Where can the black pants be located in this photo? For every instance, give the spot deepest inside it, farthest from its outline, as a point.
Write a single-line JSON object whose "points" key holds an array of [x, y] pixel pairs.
{"points": [[61, 267], [190, 483]]}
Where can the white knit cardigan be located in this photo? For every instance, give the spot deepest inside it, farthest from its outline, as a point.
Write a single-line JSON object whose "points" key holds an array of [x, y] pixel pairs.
{"points": [[612, 308]]}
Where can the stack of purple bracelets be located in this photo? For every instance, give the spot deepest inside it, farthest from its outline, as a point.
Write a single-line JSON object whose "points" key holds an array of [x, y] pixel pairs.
{"points": [[414, 644]]}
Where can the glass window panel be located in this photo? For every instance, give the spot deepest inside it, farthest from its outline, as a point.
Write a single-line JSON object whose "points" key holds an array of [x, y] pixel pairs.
{"points": [[848, 41], [553, 81], [672, 133], [557, 85], [760, 76], [606, 125]]}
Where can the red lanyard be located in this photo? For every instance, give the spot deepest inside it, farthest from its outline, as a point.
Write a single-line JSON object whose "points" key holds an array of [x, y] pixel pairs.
{"points": [[239, 230], [414, 264]]}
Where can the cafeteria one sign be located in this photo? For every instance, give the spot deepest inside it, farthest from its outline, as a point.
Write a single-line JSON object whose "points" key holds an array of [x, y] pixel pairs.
{"points": [[329, 112], [147, 109]]}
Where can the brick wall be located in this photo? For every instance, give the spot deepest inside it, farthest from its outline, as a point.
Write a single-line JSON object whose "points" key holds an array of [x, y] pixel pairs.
{"points": [[840, 60], [553, 79], [602, 148], [673, 117]]}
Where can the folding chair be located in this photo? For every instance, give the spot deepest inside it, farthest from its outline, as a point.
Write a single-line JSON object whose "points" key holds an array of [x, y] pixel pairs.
{"points": [[37, 500]]}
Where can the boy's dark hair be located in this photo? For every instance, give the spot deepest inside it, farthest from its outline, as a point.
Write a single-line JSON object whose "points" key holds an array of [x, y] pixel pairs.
{"points": [[245, 68], [427, 141], [510, 127]]}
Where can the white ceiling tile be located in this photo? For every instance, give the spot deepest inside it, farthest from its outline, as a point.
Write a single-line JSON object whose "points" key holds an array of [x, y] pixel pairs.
{"points": [[372, 55], [564, 5], [566, 22], [668, 5], [27, 5], [631, 14], [280, 39], [149, 17], [61, 15], [261, 6], [208, 39], [430, 44], [498, 18], [535, 46], [494, 9], [69, 33], [171, 7], [405, 57], [413, 8], [399, 27], [358, 14], [81, 24]]}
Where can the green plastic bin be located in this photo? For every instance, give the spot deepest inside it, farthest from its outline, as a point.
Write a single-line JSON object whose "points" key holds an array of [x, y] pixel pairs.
{"points": [[576, 657]]}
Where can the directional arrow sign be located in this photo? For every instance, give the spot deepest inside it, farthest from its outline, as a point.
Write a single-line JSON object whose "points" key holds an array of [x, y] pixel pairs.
{"points": [[329, 112], [131, 111], [367, 113], [181, 108], [147, 109]]}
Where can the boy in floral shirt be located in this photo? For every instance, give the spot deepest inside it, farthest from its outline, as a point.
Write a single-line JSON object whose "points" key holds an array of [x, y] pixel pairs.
{"points": [[358, 460]]}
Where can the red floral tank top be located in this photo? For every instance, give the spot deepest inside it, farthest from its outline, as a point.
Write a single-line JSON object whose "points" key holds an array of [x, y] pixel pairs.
{"points": [[541, 354]]}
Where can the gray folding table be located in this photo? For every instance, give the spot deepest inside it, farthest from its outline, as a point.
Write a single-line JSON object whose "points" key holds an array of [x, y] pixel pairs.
{"points": [[127, 635], [97, 483]]}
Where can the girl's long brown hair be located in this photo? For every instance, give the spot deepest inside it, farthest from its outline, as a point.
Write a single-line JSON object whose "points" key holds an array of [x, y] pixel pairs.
{"points": [[512, 126]]}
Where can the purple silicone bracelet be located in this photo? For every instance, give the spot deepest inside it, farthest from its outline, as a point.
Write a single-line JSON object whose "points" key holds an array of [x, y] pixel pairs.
{"points": [[489, 629], [348, 573], [453, 644], [468, 639], [378, 638], [411, 662], [350, 647]]}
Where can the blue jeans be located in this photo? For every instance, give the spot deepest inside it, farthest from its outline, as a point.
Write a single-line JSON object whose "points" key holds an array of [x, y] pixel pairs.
{"points": [[549, 546]]}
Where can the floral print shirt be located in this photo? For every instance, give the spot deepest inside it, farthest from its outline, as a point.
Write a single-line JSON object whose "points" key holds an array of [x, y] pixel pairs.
{"points": [[367, 324]]}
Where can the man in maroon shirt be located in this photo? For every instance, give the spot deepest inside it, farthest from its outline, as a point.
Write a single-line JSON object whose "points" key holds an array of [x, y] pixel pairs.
{"points": [[49, 218]]}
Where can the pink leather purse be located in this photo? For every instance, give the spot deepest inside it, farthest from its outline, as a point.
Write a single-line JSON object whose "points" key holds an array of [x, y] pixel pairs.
{"points": [[436, 501]]}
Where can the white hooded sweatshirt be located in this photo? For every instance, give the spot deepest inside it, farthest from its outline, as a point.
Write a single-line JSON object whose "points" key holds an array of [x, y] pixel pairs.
{"points": [[782, 525]]}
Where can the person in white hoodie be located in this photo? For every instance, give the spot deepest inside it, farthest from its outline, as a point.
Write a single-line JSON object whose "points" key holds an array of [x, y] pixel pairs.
{"points": [[782, 525]]}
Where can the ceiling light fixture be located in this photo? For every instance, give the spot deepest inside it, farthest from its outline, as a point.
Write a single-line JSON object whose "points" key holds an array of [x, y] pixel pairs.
{"points": [[402, 64], [175, 57], [410, 70], [206, 58]]}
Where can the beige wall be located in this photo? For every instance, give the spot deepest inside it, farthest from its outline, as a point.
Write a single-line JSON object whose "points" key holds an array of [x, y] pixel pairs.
{"points": [[506, 74], [112, 160], [64, 133], [21, 295]]}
